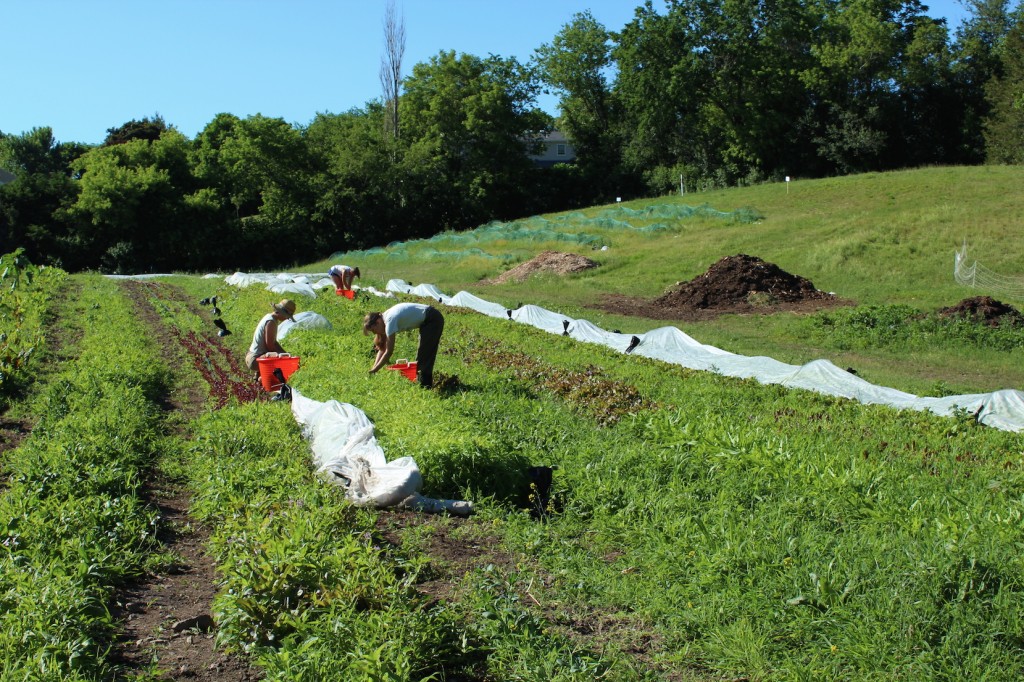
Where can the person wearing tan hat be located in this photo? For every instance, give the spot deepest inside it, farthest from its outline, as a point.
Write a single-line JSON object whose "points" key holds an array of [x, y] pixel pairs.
{"points": [[264, 339]]}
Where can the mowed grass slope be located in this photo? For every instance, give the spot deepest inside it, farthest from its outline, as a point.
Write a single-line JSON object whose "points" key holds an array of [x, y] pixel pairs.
{"points": [[875, 239]]}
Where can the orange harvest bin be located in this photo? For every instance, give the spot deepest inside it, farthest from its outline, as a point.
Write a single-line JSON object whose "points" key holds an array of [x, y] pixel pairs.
{"points": [[405, 367], [347, 293], [286, 363]]}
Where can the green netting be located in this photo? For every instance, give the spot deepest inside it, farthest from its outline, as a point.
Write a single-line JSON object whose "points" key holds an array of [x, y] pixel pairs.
{"points": [[575, 228], [680, 211]]}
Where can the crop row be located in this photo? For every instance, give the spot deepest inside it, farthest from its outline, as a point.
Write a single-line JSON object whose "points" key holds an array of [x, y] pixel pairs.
{"points": [[27, 295], [311, 587], [72, 524]]}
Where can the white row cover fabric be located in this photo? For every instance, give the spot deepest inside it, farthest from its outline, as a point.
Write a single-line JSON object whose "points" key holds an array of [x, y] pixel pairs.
{"points": [[1000, 409], [302, 284], [307, 319], [346, 453], [283, 283], [375, 292]]}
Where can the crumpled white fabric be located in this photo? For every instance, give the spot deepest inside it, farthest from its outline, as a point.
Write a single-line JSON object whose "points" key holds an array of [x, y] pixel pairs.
{"points": [[346, 453]]}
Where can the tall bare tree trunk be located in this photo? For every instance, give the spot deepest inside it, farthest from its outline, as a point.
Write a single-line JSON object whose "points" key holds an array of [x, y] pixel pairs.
{"points": [[391, 65]]}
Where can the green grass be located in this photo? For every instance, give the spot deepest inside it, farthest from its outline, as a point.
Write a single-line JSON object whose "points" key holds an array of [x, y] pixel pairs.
{"points": [[876, 239]]}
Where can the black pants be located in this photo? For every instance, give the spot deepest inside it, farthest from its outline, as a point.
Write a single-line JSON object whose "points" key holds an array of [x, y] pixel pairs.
{"points": [[430, 337]]}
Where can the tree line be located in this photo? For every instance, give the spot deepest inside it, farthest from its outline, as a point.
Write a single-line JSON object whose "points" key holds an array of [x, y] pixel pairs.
{"points": [[706, 93]]}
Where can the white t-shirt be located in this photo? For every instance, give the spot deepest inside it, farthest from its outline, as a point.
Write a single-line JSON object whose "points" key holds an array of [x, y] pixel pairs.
{"points": [[338, 270], [403, 317]]}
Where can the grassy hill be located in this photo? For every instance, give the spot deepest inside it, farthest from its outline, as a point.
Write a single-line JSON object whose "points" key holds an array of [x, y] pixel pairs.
{"points": [[876, 239]]}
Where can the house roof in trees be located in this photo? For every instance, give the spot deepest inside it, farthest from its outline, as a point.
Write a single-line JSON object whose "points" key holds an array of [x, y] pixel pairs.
{"points": [[6, 177], [557, 148]]}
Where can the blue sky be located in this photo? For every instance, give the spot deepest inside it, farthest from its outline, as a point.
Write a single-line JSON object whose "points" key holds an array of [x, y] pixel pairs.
{"points": [[83, 66]]}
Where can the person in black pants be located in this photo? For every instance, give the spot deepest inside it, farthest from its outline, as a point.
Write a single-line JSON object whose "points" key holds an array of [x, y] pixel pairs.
{"points": [[403, 317]]}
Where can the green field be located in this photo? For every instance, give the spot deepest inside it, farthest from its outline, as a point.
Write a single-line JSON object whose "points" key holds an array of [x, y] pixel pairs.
{"points": [[700, 528], [877, 239]]}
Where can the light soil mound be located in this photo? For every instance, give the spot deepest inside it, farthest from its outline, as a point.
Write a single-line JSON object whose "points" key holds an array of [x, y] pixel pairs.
{"points": [[548, 261]]}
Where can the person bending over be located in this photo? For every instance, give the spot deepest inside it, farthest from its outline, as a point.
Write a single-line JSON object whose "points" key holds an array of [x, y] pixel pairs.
{"points": [[400, 318], [343, 276]]}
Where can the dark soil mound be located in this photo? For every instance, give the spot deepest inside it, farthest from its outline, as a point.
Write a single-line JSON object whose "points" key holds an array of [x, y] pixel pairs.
{"points": [[984, 309], [741, 279], [737, 285]]}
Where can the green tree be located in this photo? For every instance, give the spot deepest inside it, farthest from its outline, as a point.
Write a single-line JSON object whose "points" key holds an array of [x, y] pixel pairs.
{"points": [[260, 165], [140, 209], [149, 129], [977, 61], [31, 207], [1004, 127], [358, 192], [576, 66], [214, 170], [710, 88], [881, 75], [467, 124]]}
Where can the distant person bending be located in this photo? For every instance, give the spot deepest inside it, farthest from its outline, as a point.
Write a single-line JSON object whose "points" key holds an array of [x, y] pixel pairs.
{"points": [[403, 317], [343, 276], [264, 339]]}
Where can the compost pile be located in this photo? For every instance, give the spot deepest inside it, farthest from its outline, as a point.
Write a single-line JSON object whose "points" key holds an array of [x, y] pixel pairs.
{"points": [[741, 279], [984, 310], [735, 284], [548, 261]]}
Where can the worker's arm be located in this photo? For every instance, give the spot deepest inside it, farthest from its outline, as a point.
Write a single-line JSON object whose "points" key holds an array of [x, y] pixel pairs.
{"points": [[384, 352]]}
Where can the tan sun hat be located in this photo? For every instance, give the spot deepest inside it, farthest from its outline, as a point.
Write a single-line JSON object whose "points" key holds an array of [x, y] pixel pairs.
{"points": [[286, 307]]}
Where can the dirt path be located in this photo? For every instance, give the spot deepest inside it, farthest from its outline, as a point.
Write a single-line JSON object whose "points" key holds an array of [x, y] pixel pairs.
{"points": [[166, 618]]}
